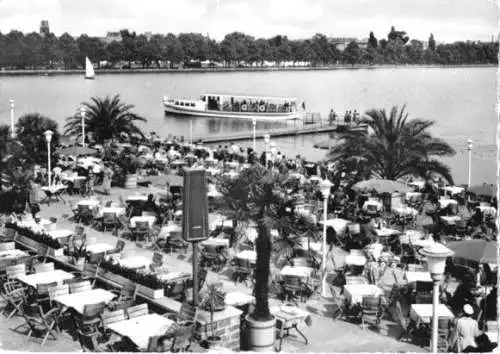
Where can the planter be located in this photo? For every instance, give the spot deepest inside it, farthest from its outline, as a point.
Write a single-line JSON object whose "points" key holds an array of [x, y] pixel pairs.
{"points": [[131, 181], [59, 252], [260, 334], [78, 262], [214, 342]]}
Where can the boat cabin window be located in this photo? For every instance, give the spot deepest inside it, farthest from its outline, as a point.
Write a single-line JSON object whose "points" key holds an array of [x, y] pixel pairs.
{"points": [[177, 103], [203, 98]]}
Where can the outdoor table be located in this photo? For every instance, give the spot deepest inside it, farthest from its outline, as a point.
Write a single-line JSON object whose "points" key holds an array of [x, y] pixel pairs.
{"points": [[314, 178], [443, 203], [410, 236], [405, 211], [232, 164], [372, 204], [43, 278], [422, 313], [237, 299], [385, 232], [178, 163], [231, 174], [135, 262], [61, 234], [249, 255], [91, 203], [213, 171], [354, 292], [221, 223], [413, 277], [99, 248], [77, 301], [411, 195], [115, 210], [173, 276], [137, 198], [53, 192], [73, 178], [166, 231], [288, 318], [150, 219], [488, 210], [355, 260], [139, 329], [338, 225], [216, 242], [12, 257], [450, 220], [299, 271], [453, 189]]}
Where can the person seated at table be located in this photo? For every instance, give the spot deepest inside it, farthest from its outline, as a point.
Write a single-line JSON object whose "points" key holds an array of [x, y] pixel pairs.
{"points": [[466, 330], [163, 344], [477, 218], [371, 270], [463, 293], [150, 206], [489, 306]]}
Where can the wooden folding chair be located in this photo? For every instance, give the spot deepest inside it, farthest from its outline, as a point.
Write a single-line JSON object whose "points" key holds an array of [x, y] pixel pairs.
{"points": [[80, 287], [15, 295], [137, 311], [43, 322], [44, 267], [126, 296], [186, 315], [91, 317]]}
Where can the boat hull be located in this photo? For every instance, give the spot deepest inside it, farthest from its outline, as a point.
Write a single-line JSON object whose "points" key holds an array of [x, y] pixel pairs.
{"points": [[89, 78], [169, 109]]}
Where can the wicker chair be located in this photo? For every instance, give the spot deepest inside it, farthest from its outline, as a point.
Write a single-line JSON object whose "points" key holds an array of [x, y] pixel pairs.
{"points": [[371, 308]]}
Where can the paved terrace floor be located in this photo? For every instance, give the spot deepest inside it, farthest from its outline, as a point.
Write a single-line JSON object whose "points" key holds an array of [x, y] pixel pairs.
{"points": [[325, 334]]}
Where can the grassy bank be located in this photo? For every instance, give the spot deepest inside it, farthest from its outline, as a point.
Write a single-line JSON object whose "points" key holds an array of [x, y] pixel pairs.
{"points": [[225, 70]]}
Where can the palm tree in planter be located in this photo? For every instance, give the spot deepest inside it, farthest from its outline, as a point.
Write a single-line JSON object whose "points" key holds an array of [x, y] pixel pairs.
{"points": [[106, 118], [394, 146], [258, 195], [212, 300]]}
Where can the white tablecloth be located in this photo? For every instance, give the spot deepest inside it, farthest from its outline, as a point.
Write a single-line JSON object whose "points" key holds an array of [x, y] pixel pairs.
{"points": [[248, 254], [150, 219], [61, 233], [443, 203], [15, 253], [77, 301], [354, 292], [135, 262], [385, 232], [338, 224], [139, 329], [489, 210], [411, 195], [54, 189], [91, 203], [43, 278], [413, 277], [99, 248], [423, 312], [372, 204], [216, 242], [303, 272], [73, 178], [451, 220], [355, 260], [115, 210], [453, 189], [173, 276], [137, 198], [238, 299], [405, 211]]}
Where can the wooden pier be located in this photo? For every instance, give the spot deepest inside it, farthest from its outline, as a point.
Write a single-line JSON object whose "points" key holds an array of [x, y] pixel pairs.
{"points": [[303, 129]]}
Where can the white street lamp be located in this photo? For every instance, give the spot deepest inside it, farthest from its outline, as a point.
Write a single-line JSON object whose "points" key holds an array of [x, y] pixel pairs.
{"points": [[469, 148], [12, 132], [436, 254], [254, 122], [48, 137], [82, 113], [267, 138], [325, 187]]}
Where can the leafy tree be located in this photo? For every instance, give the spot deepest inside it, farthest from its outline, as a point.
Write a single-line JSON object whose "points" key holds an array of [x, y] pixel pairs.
{"points": [[129, 46], [352, 53], [30, 129], [372, 41], [394, 147], [432, 43], [395, 35], [114, 52], [69, 49], [106, 119]]}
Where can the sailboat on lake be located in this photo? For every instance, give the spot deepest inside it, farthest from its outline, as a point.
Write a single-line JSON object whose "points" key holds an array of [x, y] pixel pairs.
{"points": [[89, 69]]}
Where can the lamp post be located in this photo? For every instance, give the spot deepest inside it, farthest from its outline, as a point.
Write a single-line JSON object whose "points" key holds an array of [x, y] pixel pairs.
{"points": [[469, 148], [436, 254], [48, 137], [82, 113], [12, 132], [267, 138], [254, 123], [325, 187]]}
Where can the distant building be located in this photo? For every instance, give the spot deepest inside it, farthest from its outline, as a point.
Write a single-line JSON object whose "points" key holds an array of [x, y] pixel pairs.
{"points": [[111, 37], [340, 42], [363, 43], [44, 27]]}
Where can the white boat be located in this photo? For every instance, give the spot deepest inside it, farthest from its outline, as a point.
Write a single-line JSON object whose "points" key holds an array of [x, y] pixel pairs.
{"points": [[89, 69], [234, 106]]}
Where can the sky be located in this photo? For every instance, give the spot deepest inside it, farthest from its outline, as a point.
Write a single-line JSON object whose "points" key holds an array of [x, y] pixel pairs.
{"points": [[448, 20]]}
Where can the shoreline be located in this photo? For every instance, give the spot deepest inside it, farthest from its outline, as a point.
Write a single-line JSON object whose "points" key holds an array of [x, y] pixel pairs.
{"points": [[54, 72]]}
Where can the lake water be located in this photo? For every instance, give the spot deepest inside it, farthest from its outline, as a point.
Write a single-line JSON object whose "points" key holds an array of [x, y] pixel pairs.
{"points": [[462, 101]]}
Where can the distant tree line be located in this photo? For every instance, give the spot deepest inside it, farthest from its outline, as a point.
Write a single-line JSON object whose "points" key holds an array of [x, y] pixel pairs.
{"points": [[34, 51]]}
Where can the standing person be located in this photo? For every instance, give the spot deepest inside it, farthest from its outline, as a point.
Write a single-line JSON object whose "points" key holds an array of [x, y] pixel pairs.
{"points": [[106, 182], [90, 182], [466, 331]]}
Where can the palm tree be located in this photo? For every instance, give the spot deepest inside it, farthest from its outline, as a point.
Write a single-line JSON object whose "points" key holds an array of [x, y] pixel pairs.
{"points": [[106, 119], [13, 157], [394, 146]]}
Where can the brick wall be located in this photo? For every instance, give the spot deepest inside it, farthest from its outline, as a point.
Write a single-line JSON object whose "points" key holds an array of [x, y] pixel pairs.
{"points": [[226, 325]]}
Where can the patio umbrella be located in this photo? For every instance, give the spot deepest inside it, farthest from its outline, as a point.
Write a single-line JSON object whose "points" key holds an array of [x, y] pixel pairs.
{"points": [[381, 186], [173, 180], [77, 151], [487, 190], [324, 145], [480, 251]]}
